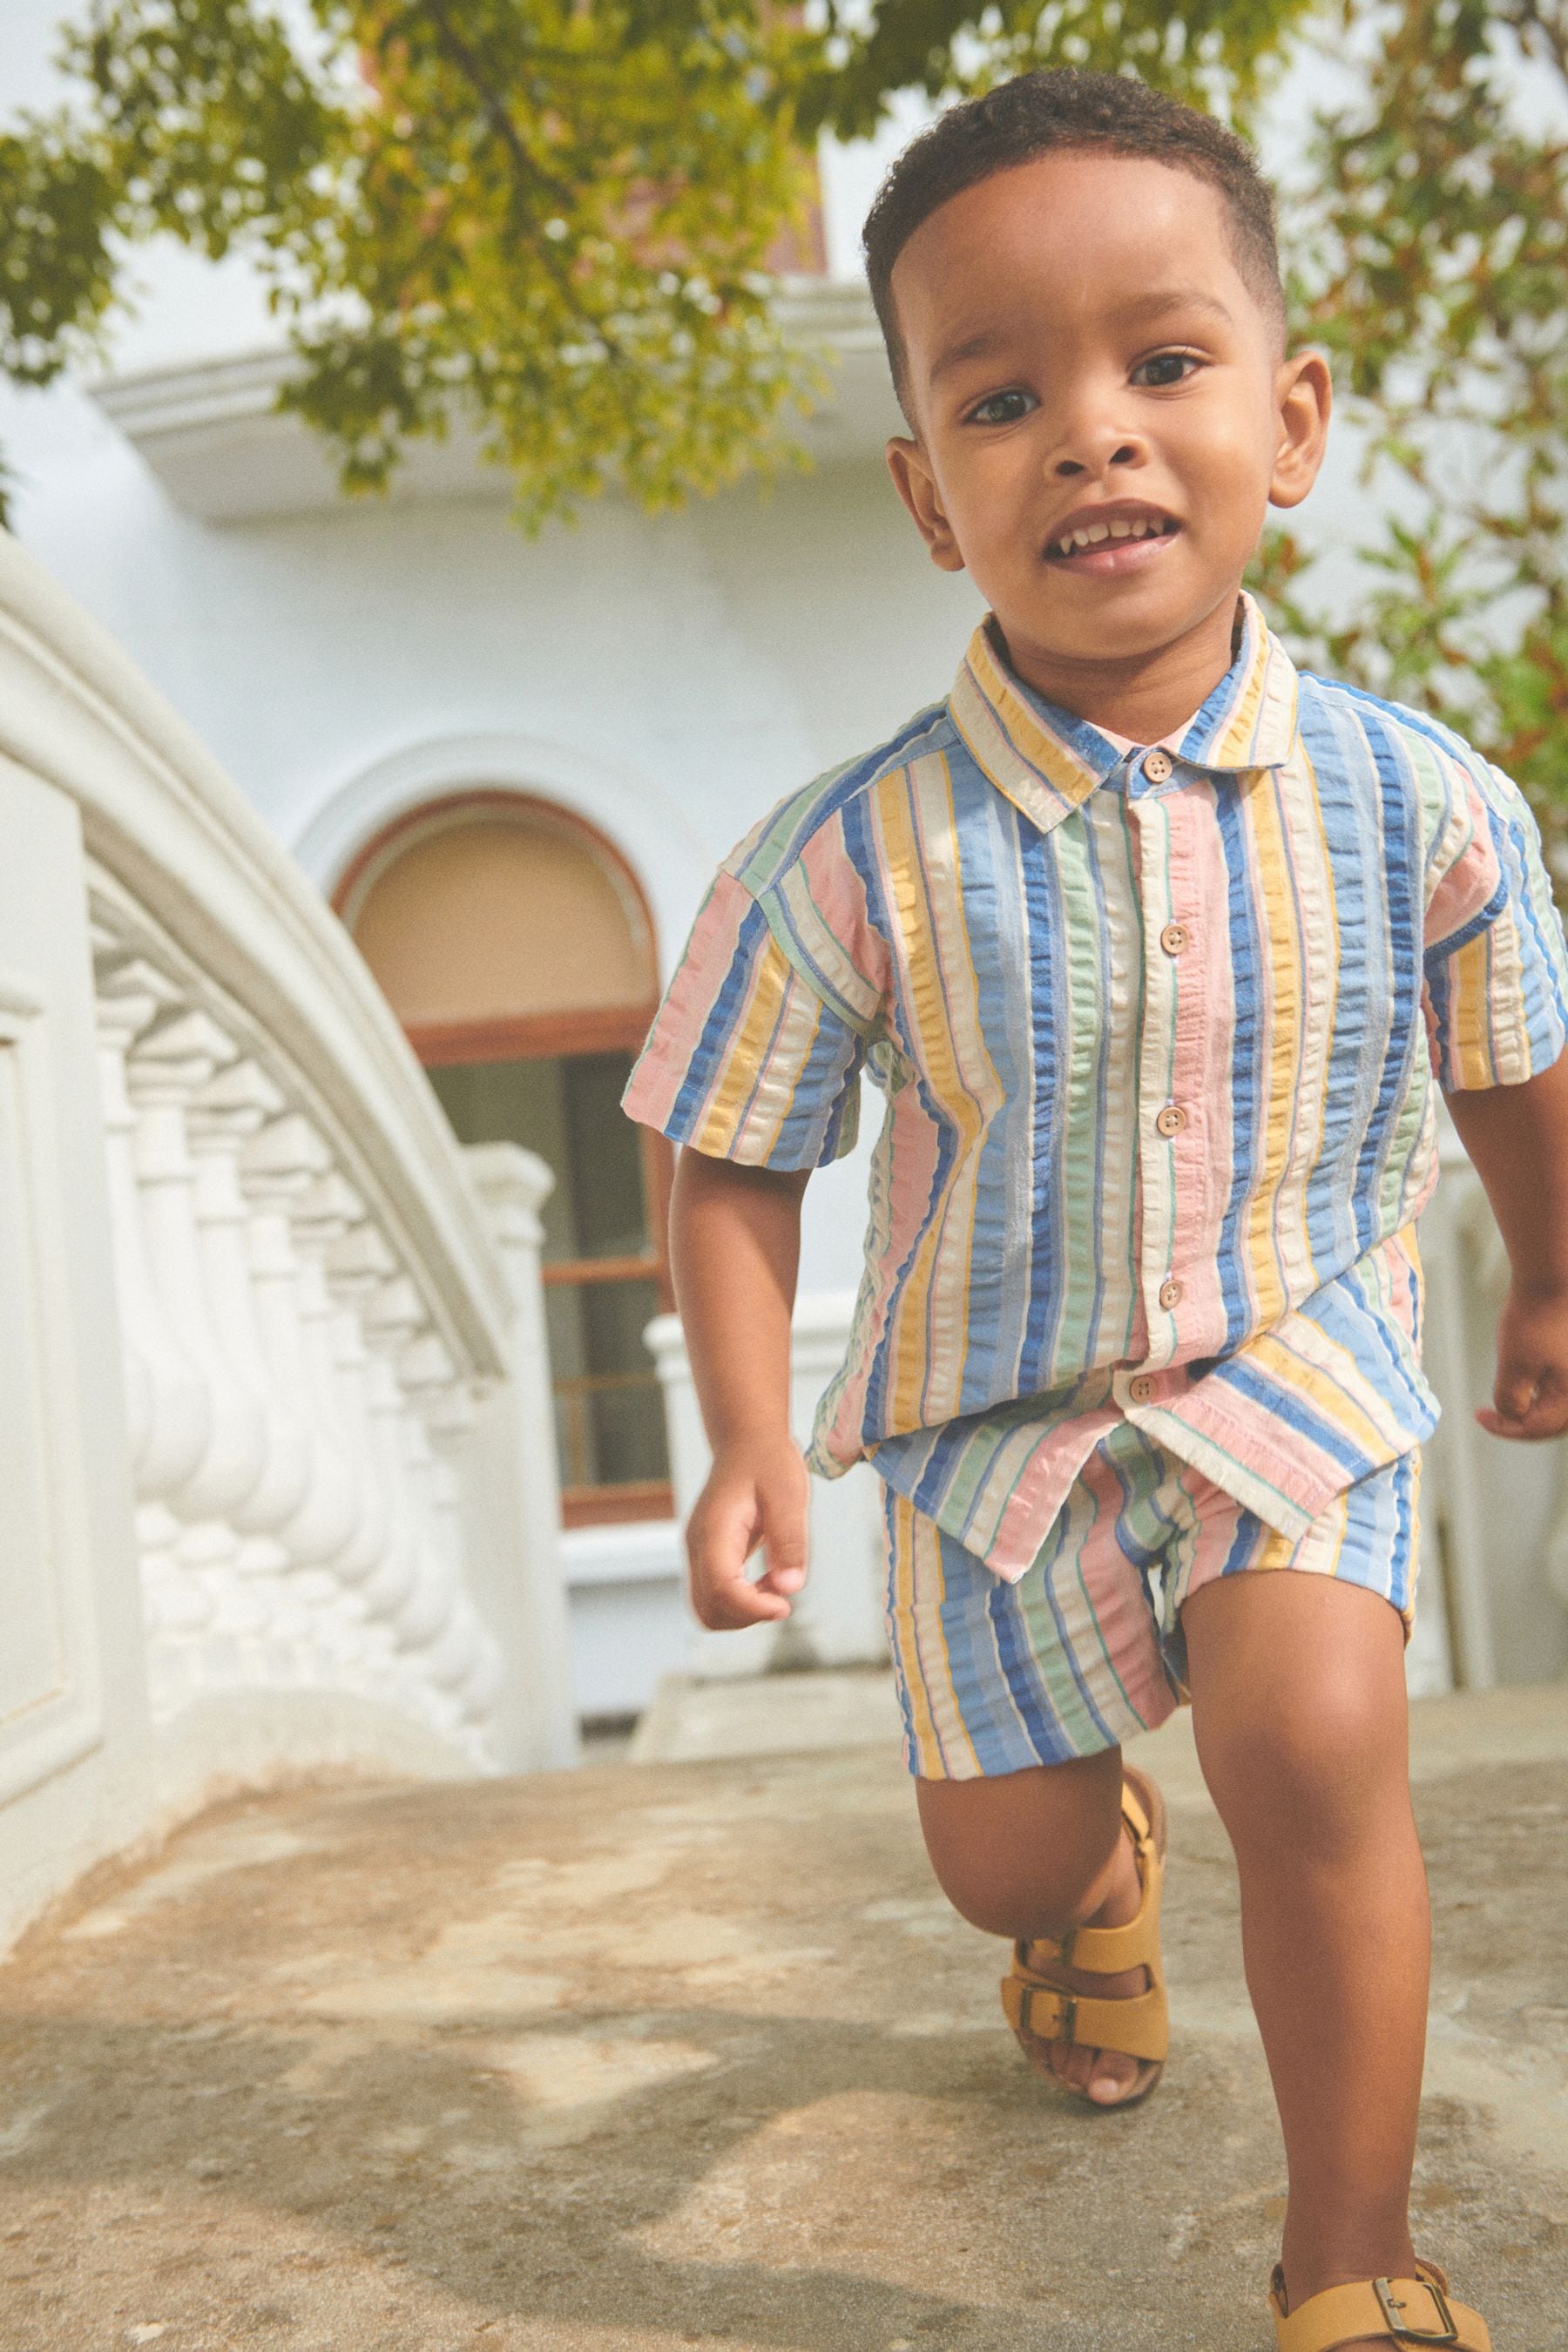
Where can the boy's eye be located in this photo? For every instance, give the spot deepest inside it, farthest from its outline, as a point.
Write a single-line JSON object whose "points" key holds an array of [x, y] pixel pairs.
{"points": [[1164, 367], [1001, 408]]}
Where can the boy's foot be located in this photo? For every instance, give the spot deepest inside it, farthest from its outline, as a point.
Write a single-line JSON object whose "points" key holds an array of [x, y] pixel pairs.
{"points": [[1125, 1927], [1105, 2077], [1410, 2303]]}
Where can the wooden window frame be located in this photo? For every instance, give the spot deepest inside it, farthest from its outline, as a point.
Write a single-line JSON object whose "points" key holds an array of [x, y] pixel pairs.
{"points": [[550, 1036]]}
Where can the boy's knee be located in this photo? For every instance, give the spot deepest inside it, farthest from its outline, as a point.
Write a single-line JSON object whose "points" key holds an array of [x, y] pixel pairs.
{"points": [[1043, 1898], [1027, 1853], [1312, 1767]]}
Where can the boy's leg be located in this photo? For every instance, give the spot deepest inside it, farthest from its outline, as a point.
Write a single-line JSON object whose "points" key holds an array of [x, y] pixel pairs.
{"points": [[1299, 1706], [1033, 1854], [992, 1675]]}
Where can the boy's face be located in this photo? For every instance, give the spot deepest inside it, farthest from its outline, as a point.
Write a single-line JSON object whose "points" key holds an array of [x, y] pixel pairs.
{"points": [[1083, 354]]}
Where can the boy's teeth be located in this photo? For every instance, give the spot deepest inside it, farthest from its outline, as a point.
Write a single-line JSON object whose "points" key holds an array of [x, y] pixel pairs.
{"points": [[1090, 534]]}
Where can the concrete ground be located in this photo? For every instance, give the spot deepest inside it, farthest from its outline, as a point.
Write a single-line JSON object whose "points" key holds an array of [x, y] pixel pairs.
{"points": [[693, 2054]]}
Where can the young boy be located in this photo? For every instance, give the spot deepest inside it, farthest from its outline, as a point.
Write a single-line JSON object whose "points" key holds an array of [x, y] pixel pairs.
{"points": [[1153, 948]]}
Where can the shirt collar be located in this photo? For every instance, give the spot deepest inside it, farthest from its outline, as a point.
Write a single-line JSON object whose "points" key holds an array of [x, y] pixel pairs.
{"points": [[1047, 762]]}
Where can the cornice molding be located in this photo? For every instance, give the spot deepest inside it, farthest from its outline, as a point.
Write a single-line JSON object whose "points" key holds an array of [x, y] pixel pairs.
{"points": [[211, 431]]}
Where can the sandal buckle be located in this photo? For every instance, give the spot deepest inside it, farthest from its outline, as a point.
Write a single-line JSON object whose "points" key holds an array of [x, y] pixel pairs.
{"points": [[1067, 2013], [1392, 2308]]}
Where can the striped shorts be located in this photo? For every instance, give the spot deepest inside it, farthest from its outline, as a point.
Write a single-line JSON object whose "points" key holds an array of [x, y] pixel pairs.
{"points": [[1087, 1648]]}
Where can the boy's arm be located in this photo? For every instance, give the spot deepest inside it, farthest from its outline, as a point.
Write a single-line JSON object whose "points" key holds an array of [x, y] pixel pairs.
{"points": [[734, 1239], [1517, 1138]]}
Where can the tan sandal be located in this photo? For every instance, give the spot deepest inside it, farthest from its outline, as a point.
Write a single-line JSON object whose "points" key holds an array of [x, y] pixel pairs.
{"points": [[1137, 2026], [1403, 2311]]}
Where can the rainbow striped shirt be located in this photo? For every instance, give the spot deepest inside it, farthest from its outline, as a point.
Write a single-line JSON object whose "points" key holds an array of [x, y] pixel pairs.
{"points": [[1156, 1032]]}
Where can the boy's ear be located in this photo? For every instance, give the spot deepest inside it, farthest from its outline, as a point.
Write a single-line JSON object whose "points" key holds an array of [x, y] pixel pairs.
{"points": [[1306, 396], [913, 480]]}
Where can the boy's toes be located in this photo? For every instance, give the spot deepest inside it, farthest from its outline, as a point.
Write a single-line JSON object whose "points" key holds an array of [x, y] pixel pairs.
{"points": [[1070, 2065], [1103, 2075], [1110, 2076]]}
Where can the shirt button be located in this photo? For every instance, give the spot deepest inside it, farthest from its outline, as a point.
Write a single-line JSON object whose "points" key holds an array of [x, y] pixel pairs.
{"points": [[1171, 1119], [1173, 938], [1171, 1294], [1141, 1389], [1158, 767]]}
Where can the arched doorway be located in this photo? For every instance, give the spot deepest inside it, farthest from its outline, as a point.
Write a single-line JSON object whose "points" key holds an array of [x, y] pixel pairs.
{"points": [[515, 946]]}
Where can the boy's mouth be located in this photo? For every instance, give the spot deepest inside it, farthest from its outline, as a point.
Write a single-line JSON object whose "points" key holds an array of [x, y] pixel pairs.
{"points": [[1112, 539]]}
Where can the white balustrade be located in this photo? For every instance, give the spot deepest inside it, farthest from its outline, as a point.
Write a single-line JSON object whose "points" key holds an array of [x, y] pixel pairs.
{"points": [[301, 1509], [516, 1484], [301, 1368]]}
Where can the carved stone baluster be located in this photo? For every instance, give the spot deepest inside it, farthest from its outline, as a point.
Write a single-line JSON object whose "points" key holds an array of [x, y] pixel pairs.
{"points": [[259, 1623], [513, 1498], [362, 1271], [167, 1065], [426, 1611], [465, 1660], [347, 1628], [220, 1119], [326, 1215], [170, 1410], [276, 1167], [392, 1313], [425, 1365], [169, 1404], [448, 1424]]}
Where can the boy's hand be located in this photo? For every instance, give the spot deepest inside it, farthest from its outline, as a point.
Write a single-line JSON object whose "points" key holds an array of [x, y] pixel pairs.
{"points": [[753, 1496], [1530, 1395]]}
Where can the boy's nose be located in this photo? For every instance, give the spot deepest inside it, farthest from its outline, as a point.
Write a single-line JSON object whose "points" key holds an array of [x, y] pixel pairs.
{"points": [[1094, 433], [1082, 457]]}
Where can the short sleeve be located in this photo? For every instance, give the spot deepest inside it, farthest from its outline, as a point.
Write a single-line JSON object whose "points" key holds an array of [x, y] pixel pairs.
{"points": [[1495, 967], [745, 1060]]}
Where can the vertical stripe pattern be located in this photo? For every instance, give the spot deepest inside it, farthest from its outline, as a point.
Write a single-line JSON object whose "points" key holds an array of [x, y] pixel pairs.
{"points": [[1086, 1649], [1156, 1041]]}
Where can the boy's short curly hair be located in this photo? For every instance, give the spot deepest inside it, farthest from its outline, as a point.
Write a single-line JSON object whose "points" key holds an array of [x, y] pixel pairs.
{"points": [[1063, 107]]}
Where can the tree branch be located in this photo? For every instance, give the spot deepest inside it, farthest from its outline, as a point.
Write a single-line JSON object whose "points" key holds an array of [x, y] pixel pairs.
{"points": [[524, 171], [469, 64], [1543, 30]]}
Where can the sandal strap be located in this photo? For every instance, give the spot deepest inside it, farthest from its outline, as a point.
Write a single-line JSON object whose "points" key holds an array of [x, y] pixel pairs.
{"points": [[1138, 2027], [1135, 1813], [1110, 1951], [1403, 2311], [1106, 1951]]}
